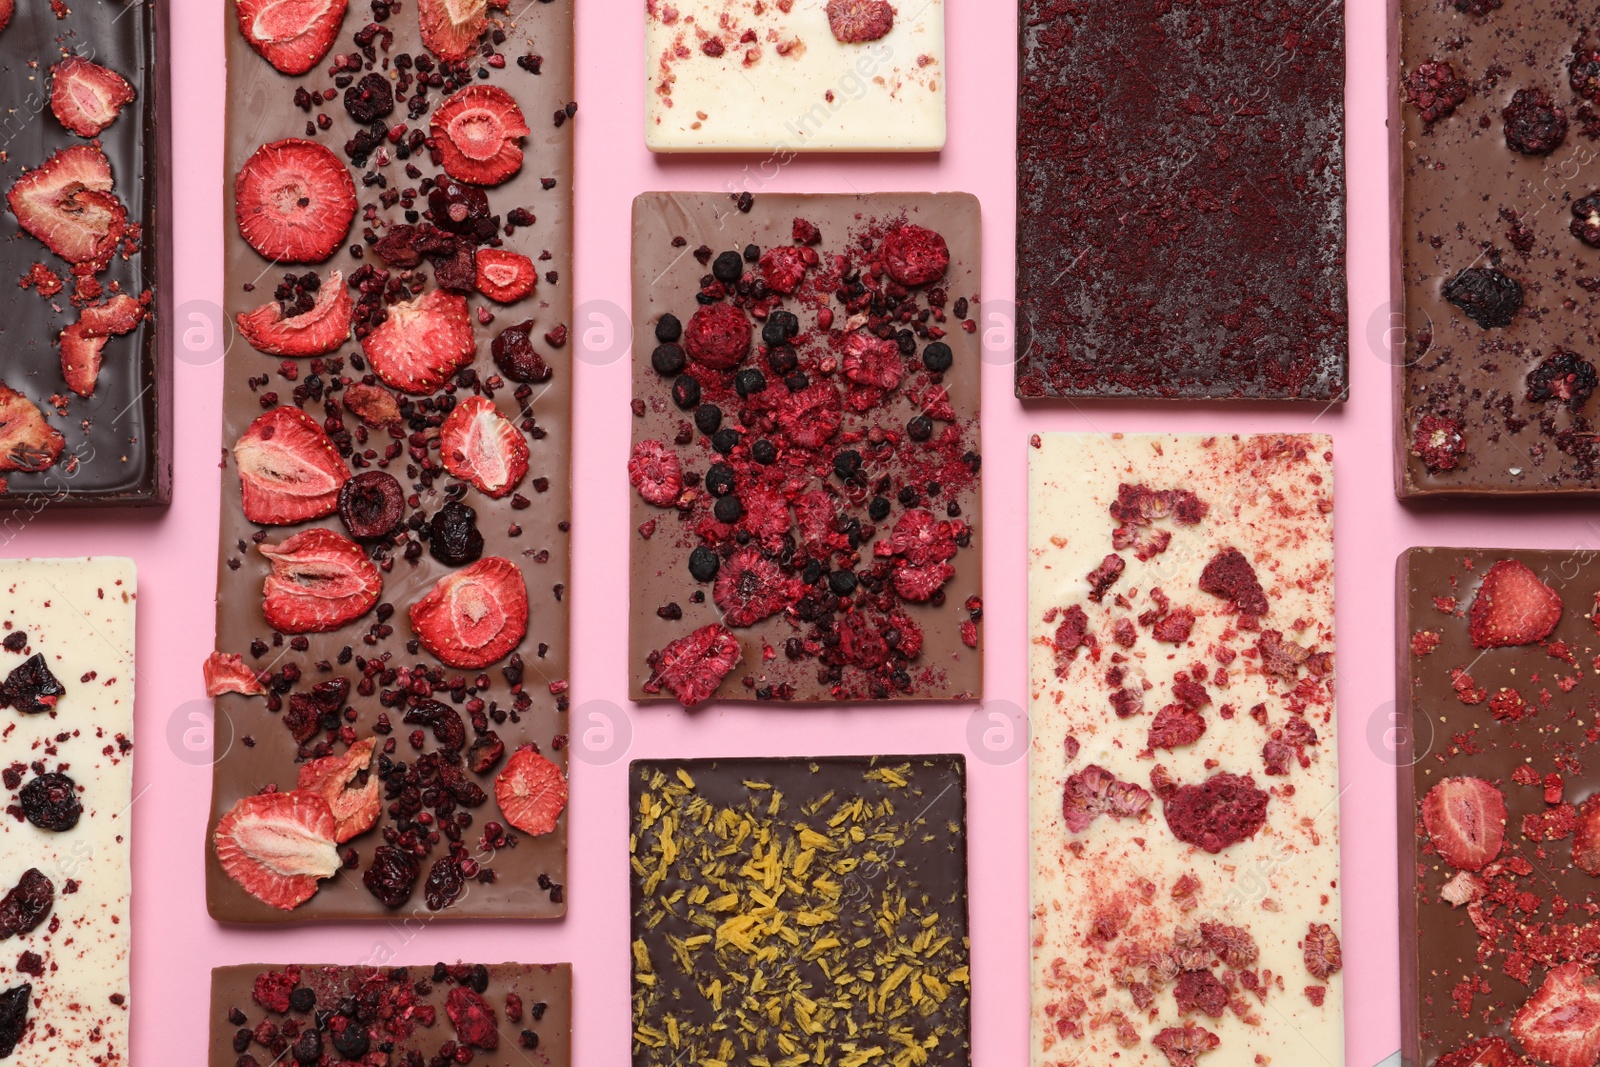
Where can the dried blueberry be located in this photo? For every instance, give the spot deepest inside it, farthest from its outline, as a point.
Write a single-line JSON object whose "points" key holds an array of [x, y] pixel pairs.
{"points": [[515, 356], [779, 327], [31, 688], [1565, 376], [749, 382], [686, 392], [1586, 219], [764, 451], [878, 509], [369, 99], [26, 906], [704, 564], [392, 875], [938, 357], [728, 268], [708, 419], [303, 999], [14, 1004], [444, 884], [372, 505], [669, 329], [453, 537], [728, 509], [1534, 124], [843, 583], [308, 1048], [783, 360], [51, 802], [351, 1040], [668, 360], [1487, 296], [725, 441], [920, 428], [719, 479]]}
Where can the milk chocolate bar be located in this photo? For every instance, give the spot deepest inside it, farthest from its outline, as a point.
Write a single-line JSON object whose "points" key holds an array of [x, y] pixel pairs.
{"points": [[392, 641], [1181, 199], [799, 909], [805, 458], [1184, 807], [85, 263]]}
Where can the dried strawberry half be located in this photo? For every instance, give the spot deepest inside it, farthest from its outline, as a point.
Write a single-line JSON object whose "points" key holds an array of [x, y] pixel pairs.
{"points": [[338, 781], [288, 469], [1513, 607], [915, 255], [278, 846], [67, 203], [478, 133], [504, 276], [474, 617], [422, 342], [27, 442], [83, 343], [691, 668], [1586, 840], [531, 792], [225, 672], [656, 472], [1466, 820], [87, 97], [294, 201], [320, 581], [1490, 1052], [751, 587], [1560, 1024], [311, 333], [480, 445], [451, 28], [292, 35]]}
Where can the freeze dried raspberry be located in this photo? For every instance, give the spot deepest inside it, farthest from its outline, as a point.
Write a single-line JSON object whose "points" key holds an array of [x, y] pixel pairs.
{"points": [[272, 989], [1103, 577], [1174, 627], [812, 416], [1222, 811], [805, 232], [920, 538], [1565, 376], [1200, 991], [751, 588], [718, 336], [656, 472], [1280, 657], [1175, 726], [860, 21], [691, 668], [783, 269], [1230, 576], [1438, 442], [1424, 642], [872, 362], [1095, 791], [1071, 635], [1232, 944], [1435, 91], [1138, 505], [1181, 1045], [1552, 824], [915, 255], [1534, 124], [1320, 947], [1584, 72]]}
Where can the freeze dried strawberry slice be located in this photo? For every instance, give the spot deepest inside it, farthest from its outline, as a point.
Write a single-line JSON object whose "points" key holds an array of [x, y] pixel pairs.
{"points": [[278, 846], [691, 668], [915, 255], [1513, 607], [860, 21], [27, 442], [83, 343], [470, 1014], [1560, 1024], [288, 468], [481, 446], [311, 333], [422, 342], [1466, 819], [451, 28], [225, 672], [292, 35], [479, 133], [1586, 840], [337, 780], [474, 617], [87, 97], [320, 580], [718, 336], [294, 201], [750, 588], [67, 203], [531, 792], [505, 277], [1490, 1052], [655, 470]]}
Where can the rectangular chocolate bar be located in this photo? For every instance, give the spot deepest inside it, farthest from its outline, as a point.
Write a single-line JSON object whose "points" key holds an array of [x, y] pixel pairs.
{"points": [[1497, 248], [66, 686], [801, 911], [1499, 828], [501, 1015], [805, 455], [1184, 807], [85, 263], [392, 629], [1181, 194]]}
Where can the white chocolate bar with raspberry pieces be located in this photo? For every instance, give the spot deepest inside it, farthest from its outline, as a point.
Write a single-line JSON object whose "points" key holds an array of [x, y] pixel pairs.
{"points": [[1184, 781], [75, 618]]}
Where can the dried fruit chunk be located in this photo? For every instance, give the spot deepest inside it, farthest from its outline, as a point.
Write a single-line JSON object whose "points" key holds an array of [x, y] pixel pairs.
{"points": [[480, 445], [1560, 1024], [718, 336], [225, 672], [278, 846], [1183, 1045], [1438, 442], [1534, 124], [1565, 376], [504, 276], [692, 667], [1320, 947], [915, 255], [392, 875], [50, 802], [1586, 839], [1513, 607], [372, 505], [1466, 821], [453, 535], [83, 343], [1222, 811], [1490, 1052], [337, 780], [531, 792], [516, 357], [1435, 90], [27, 904], [27, 442], [292, 35], [475, 1022], [451, 28], [860, 21], [1489, 297], [1585, 223], [86, 97], [294, 201], [7, 9], [1175, 726], [474, 617], [288, 469], [67, 203], [478, 133], [751, 588], [31, 688], [14, 1002], [422, 342], [319, 582], [1230, 576], [656, 472], [372, 404], [1095, 791], [310, 333]]}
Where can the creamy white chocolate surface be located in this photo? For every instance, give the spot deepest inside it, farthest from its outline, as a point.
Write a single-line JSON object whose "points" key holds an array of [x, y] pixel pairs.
{"points": [[1119, 907], [783, 82], [79, 615]]}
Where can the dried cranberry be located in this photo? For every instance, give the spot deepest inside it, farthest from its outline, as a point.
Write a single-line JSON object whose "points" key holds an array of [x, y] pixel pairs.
{"points": [[372, 505], [1487, 296], [514, 354], [31, 688], [444, 884], [445, 722], [14, 1004], [453, 537], [1563, 376], [485, 752], [392, 875], [369, 99], [51, 802], [461, 208], [1534, 124], [26, 906]]}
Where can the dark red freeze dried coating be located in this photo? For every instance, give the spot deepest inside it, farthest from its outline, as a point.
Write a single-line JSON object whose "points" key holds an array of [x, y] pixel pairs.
{"points": [[1181, 196]]}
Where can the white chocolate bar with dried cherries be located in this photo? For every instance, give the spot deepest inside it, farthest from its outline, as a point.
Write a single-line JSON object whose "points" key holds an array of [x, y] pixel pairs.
{"points": [[1184, 781]]}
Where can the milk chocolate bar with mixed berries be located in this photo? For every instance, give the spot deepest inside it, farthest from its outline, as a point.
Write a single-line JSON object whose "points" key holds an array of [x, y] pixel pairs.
{"points": [[1499, 825], [499, 1015], [1497, 246], [805, 459], [1181, 199], [794, 910], [391, 665], [1184, 808], [85, 267]]}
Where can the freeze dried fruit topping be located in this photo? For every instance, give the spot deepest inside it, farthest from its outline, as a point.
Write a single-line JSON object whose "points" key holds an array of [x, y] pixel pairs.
{"points": [[656, 472], [1138, 505], [451, 28], [31, 688], [278, 846], [372, 404], [915, 255], [50, 802], [348, 784], [475, 1022], [87, 97], [474, 617], [423, 342], [27, 904], [692, 667], [1222, 811], [1560, 1024], [294, 201], [1489, 297], [319, 582], [391, 876], [7, 9], [68, 204], [1438, 442], [718, 336], [27, 442], [225, 672], [1093, 792], [860, 21], [1563, 376], [1466, 821], [1534, 124], [1230, 576], [1513, 607], [1435, 90], [531, 792], [1183, 1045], [1586, 838], [504, 276], [14, 1002], [83, 343], [316, 331], [516, 357], [292, 35], [1175, 726], [478, 134], [453, 535], [1585, 223], [372, 505], [1324, 958], [750, 588], [480, 445], [290, 471]]}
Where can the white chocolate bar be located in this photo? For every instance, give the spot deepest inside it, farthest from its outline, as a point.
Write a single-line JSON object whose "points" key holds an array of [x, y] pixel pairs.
{"points": [[1131, 924], [782, 81], [79, 615]]}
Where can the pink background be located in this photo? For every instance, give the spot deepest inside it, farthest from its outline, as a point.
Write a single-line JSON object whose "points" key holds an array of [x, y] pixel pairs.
{"points": [[175, 942]]}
